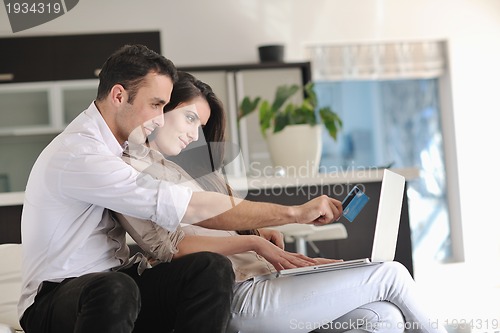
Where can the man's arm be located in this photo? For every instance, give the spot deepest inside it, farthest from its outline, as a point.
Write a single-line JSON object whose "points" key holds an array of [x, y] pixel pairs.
{"points": [[217, 211]]}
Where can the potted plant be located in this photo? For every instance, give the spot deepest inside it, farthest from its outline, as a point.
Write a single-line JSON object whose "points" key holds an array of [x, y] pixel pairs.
{"points": [[286, 124]]}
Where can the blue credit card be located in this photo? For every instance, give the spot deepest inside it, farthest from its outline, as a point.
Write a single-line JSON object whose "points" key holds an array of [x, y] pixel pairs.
{"points": [[353, 203]]}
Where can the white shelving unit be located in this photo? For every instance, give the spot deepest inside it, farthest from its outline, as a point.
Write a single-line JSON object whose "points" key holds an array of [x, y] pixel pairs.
{"points": [[42, 107], [31, 115]]}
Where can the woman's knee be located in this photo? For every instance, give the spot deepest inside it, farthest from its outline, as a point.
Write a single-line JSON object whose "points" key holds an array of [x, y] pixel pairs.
{"points": [[397, 267], [396, 272]]}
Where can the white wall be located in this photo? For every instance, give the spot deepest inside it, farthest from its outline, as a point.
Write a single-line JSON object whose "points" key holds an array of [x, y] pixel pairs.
{"points": [[228, 31]]}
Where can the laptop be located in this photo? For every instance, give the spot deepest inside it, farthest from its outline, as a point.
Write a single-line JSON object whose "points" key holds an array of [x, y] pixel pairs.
{"points": [[386, 230]]}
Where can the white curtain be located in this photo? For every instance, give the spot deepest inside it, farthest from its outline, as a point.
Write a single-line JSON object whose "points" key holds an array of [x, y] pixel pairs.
{"points": [[377, 61]]}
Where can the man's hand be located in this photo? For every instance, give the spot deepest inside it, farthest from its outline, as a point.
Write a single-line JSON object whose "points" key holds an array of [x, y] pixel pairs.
{"points": [[319, 211], [207, 210]]}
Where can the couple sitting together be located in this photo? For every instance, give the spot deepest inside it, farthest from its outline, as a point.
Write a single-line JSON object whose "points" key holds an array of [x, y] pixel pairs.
{"points": [[120, 166]]}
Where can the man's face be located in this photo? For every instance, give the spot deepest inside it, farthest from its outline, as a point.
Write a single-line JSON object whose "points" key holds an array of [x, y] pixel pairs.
{"points": [[138, 119]]}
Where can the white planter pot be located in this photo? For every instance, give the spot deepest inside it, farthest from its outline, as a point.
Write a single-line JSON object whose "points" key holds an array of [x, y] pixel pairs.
{"points": [[297, 149]]}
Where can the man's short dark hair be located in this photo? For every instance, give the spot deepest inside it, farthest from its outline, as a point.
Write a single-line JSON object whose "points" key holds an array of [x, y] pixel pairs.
{"points": [[128, 66]]}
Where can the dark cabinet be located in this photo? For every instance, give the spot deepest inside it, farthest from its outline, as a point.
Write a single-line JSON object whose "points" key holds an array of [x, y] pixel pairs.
{"points": [[26, 59], [359, 242], [65, 57], [81, 56], [10, 227]]}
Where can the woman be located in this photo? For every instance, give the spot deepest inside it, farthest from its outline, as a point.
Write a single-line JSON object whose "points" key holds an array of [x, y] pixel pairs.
{"points": [[374, 298]]}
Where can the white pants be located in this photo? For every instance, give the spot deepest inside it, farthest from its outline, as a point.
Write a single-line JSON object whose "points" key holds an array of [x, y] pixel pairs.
{"points": [[376, 298]]}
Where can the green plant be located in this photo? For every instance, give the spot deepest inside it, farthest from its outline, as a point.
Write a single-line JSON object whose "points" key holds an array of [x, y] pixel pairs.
{"points": [[279, 114]]}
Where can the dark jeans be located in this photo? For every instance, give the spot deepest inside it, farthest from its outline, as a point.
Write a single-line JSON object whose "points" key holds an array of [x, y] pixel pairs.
{"points": [[190, 294]]}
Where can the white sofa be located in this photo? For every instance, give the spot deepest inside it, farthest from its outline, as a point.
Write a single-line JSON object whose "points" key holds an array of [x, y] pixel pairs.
{"points": [[10, 286]]}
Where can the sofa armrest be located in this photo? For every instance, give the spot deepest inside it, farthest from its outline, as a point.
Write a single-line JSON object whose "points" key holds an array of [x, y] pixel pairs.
{"points": [[10, 286]]}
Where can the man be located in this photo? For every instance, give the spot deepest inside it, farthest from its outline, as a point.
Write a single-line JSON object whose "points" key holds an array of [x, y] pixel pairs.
{"points": [[71, 252]]}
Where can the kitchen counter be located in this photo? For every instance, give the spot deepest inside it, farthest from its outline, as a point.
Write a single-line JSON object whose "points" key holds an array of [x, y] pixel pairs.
{"points": [[349, 176]]}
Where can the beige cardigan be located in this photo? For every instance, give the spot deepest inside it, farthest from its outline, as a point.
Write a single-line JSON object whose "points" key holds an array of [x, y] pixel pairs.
{"points": [[160, 245]]}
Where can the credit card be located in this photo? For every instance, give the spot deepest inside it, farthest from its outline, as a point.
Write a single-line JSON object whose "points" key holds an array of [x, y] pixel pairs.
{"points": [[353, 203]]}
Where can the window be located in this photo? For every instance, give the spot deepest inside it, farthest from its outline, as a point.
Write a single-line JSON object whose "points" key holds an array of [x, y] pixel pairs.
{"points": [[395, 123], [390, 97]]}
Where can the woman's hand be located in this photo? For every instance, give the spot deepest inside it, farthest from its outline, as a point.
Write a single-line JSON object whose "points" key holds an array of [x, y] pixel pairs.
{"points": [[320, 261], [279, 258], [274, 236]]}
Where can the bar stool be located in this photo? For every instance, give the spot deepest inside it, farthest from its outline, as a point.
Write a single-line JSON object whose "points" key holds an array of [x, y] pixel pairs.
{"points": [[303, 234]]}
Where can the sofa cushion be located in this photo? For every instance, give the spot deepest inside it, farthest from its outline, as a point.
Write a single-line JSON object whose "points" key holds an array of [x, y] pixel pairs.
{"points": [[10, 283], [7, 329]]}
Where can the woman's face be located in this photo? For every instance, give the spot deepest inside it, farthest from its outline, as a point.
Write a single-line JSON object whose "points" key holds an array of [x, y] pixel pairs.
{"points": [[181, 126]]}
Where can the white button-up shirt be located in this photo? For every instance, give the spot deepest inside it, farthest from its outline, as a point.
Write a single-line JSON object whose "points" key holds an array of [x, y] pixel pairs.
{"points": [[77, 178]]}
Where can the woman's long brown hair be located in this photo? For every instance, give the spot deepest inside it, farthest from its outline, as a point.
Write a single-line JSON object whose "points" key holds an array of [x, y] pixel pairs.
{"points": [[204, 163]]}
